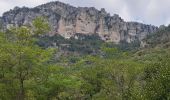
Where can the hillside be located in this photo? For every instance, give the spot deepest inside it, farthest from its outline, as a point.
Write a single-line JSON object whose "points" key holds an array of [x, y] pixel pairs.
{"points": [[67, 20], [45, 55], [161, 38]]}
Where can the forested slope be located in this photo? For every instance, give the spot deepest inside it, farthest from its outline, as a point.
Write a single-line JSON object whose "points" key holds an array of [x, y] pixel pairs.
{"points": [[37, 67]]}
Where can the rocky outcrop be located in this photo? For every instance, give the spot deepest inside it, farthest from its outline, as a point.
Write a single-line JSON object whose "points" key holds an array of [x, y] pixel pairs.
{"points": [[0, 20], [67, 20]]}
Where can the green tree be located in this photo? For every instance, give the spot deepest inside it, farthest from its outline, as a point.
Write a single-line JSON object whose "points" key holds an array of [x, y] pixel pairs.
{"points": [[21, 59], [157, 77]]}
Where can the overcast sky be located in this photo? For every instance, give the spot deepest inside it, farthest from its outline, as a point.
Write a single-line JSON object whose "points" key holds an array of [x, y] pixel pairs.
{"points": [[155, 12]]}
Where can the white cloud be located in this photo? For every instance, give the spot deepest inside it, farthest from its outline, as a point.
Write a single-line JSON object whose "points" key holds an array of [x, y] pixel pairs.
{"points": [[154, 12], [6, 5], [125, 13]]}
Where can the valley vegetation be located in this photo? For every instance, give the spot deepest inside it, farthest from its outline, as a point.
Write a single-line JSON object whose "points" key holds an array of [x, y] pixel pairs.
{"points": [[34, 66]]}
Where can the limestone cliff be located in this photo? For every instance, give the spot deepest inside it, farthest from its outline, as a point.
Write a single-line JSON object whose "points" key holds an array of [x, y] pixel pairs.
{"points": [[67, 20]]}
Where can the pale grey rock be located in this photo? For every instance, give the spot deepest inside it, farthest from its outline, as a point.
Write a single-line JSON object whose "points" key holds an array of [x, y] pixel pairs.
{"points": [[67, 20], [1, 24], [161, 27]]}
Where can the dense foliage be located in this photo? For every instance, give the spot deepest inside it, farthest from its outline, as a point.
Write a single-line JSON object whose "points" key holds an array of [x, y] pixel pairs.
{"points": [[34, 67], [160, 38]]}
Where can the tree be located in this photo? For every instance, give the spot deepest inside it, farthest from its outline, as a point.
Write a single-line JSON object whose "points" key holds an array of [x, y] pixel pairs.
{"points": [[21, 59], [158, 80]]}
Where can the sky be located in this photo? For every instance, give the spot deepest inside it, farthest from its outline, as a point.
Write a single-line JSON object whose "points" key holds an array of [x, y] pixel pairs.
{"points": [[155, 12]]}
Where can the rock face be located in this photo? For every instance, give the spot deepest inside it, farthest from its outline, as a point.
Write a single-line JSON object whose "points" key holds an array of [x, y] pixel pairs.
{"points": [[0, 23], [67, 20]]}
